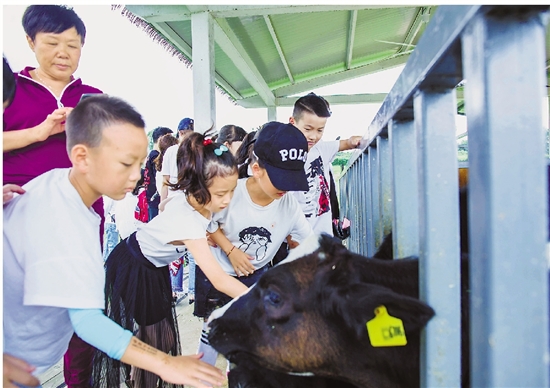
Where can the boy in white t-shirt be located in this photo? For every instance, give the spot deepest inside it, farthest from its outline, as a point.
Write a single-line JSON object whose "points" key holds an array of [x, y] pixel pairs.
{"points": [[310, 116], [53, 269]]}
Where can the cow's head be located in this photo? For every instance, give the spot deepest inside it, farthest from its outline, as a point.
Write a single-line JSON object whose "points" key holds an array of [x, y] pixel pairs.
{"points": [[309, 316]]}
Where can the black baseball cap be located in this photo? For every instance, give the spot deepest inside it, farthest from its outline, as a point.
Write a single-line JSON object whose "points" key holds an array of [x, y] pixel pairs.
{"points": [[160, 131], [283, 150]]}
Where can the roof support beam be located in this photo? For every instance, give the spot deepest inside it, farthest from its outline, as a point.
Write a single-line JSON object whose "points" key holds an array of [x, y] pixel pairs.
{"points": [[301, 87], [351, 38], [335, 99], [419, 19], [204, 83], [167, 13], [367, 98], [278, 46], [230, 44], [176, 40]]}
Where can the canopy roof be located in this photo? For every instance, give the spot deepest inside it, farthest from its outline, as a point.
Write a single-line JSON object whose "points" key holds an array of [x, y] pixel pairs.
{"points": [[266, 53]]}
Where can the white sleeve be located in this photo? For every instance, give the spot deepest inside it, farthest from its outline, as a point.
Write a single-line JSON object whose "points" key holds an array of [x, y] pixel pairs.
{"points": [[167, 161], [328, 149], [301, 228]]}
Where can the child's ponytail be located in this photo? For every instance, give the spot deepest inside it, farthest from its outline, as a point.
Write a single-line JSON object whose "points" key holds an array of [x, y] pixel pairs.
{"points": [[244, 153], [199, 161]]}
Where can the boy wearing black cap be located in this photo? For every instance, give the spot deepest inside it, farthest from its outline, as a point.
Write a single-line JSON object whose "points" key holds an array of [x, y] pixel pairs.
{"points": [[250, 230]]}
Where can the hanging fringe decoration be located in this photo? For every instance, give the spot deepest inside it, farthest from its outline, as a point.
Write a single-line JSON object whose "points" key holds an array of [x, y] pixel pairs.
{"points": [[162, 40]]}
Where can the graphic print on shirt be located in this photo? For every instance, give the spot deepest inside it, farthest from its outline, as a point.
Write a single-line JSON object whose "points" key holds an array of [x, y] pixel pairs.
{"points": [[318, 188], [255, 240]]}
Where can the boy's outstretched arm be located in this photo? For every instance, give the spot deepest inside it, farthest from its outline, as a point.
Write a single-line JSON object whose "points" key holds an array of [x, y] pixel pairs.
{"points": [[348, 144], [213, 270], [106, 335], [188, 370]]}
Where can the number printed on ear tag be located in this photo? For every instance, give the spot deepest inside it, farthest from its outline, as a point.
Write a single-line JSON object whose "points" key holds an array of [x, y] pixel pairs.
{"points": [[385, 330]]}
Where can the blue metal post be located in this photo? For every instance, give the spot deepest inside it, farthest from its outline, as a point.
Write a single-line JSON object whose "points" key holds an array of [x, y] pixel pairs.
{"points": [[439, 236], [504, 64], [384, 172], [403, 149]]}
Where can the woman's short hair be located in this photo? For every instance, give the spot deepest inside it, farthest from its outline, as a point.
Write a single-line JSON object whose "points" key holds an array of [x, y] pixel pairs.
{"points": [[92, 115], [52, 19]]}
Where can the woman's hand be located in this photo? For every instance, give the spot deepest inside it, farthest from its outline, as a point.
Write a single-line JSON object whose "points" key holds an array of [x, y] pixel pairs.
{"points": [[241, 262], [54, 124], [9, 190], [18, 371]]}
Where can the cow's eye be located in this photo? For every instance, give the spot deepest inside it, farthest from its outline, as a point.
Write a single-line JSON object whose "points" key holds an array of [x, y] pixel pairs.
{"points": [[273, 298]]}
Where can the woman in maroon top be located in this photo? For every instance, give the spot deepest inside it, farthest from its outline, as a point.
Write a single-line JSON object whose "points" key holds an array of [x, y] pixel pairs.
{"points": [[34, 140]]}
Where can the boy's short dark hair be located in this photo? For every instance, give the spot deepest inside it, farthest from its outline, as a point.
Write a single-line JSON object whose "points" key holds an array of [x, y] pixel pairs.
{"points": [[52, 19], [311, 103], [9, 82], [160, 131], [87, 120]]}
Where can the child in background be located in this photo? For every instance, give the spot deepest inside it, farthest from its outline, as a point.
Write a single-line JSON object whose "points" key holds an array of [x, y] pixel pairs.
{"points": [[249, 232], [310, 116], [176, 267], [51, 288], [231, 136], [150, 176], [164, 142], [125, 212], [137, 281]]}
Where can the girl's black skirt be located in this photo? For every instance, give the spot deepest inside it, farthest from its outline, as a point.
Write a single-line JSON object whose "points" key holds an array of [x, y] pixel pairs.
{"points": [[138, 296]]}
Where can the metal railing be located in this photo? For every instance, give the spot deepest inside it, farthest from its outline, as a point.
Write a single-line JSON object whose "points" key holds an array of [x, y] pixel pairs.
{"points": [[405, 180]]}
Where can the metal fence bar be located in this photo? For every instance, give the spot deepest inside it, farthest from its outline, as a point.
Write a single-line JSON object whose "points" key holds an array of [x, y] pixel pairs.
{"points": [[402, 138], [384, 172], [375, 200], [504, 64], [439, 269]]}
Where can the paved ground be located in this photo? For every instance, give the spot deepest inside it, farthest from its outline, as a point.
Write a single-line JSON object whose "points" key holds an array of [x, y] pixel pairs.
{"points": [[190, 330]]}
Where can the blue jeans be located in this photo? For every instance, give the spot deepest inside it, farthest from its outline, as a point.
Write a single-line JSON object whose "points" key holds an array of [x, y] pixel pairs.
{"points": [[191, 274], [177, 280], [153, 212], [111, 239]]}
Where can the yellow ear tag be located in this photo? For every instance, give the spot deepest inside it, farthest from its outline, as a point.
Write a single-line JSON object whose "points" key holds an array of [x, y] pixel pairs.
{"points": [[385, 330]]}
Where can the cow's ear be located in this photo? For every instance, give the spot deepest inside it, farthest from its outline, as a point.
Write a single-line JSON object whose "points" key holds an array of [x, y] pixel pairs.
{"points": [[331, 247], [359, 301]]}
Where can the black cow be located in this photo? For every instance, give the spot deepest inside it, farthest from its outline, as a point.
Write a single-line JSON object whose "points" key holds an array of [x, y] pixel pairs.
{"points": [[308, 316]]}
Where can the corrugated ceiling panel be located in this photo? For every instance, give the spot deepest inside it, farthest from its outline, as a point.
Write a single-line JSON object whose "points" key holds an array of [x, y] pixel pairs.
{"points": [[375, 28], [313, 42], [256, 39]]}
